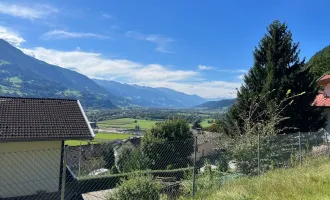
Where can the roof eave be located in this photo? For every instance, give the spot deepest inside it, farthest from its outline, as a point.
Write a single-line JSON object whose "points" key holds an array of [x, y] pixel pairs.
{"points": [[44, 139], [86, 120]]}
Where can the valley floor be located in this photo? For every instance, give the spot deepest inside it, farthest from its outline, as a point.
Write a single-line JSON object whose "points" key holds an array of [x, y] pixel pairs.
{"points": [[311, 181]]}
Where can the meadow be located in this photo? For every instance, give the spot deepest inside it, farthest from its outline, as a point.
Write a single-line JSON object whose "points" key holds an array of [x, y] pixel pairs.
{"points": [[205, 124], [127, 123], [100, 137]]}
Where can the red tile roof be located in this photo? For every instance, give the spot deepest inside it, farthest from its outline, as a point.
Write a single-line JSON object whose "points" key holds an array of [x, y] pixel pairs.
{"points": [[324, 79], [321, 101]]}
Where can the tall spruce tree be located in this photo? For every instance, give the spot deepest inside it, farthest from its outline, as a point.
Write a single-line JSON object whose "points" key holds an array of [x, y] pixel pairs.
{"points": [[277, 68]]}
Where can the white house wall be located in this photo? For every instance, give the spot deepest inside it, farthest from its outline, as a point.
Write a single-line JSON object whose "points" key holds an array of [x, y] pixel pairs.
{"points": [[327, 89], [29, 167]]}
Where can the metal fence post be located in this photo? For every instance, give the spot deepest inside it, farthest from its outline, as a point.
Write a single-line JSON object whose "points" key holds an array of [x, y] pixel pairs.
{"points": [[327, 136], [300, 156], [258, 154], [64, 173], [194, 172], [80, 149]]}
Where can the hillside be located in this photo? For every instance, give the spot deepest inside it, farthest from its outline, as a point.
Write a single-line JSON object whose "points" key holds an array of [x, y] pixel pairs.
{"points": [[23, 75], [221, 104], [150, 97], [320, 62]]}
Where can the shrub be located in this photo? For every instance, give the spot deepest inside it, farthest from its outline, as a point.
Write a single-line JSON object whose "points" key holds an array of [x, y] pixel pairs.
{"points": [[206, 181], [137, 187]]}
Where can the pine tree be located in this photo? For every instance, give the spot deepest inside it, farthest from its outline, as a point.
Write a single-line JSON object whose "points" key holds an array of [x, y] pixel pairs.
{"points": [[276, 70]]}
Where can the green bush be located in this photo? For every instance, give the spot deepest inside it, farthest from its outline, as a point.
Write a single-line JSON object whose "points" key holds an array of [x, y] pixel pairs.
{"points": [[275, 151], [205, 181], [138, 188]]}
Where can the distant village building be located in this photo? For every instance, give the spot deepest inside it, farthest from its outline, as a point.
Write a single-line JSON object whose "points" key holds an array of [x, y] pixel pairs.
{"points": [[206, 146], [32, 135], [323, 98], [94, 126]]}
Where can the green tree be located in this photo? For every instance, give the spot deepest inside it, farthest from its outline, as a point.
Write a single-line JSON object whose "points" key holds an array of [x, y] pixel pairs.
{"points": [[277, 68], [130, 160], [319, 64], [197, 124], [168, 143], [274, 150]]}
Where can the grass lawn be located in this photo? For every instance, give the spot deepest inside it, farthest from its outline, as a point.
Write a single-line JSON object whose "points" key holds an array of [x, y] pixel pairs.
{"points": [[127, 123], [75, 142], [205, 124], [311, 181], [100, 137]]}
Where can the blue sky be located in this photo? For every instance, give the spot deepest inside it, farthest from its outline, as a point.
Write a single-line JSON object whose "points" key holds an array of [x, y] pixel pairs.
{"points": [[197, 47]]}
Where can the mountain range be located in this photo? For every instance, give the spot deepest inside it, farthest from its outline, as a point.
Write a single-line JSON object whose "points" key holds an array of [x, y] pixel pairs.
{"points": [[150, 97], [23, 75], [214, 105]]}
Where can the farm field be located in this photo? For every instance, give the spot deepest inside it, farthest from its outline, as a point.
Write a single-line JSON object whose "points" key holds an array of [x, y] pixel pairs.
{"points": [[126, 123], [100, 137], [204, 123]]}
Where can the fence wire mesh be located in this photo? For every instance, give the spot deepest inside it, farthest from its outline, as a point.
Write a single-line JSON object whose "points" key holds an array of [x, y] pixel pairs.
{"points": [[33, 174], [179, 167], [255, 155]]}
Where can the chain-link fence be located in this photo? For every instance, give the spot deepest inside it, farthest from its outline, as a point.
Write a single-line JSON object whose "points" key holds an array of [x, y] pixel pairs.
{"points": [[224, 159], [179, 167]]}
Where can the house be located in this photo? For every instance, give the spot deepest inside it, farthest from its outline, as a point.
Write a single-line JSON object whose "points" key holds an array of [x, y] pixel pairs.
{"points": [[206, 146], [323, 98], [32, 135], [94, 126], [78, 156]]}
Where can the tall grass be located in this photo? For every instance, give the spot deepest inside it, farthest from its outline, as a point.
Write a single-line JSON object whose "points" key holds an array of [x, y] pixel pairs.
{"points": [[311, 181]]}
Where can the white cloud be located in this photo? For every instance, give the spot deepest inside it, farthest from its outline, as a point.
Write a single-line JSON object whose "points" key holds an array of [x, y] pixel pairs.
{"points": [[154, 75], [10, 36], [206, 89], [93, 64], [90, 64], [106, 16], [232, 70], [156, 72], [61, 34], [162, 42], [240, 77], [204, 67], [27, 11]]}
